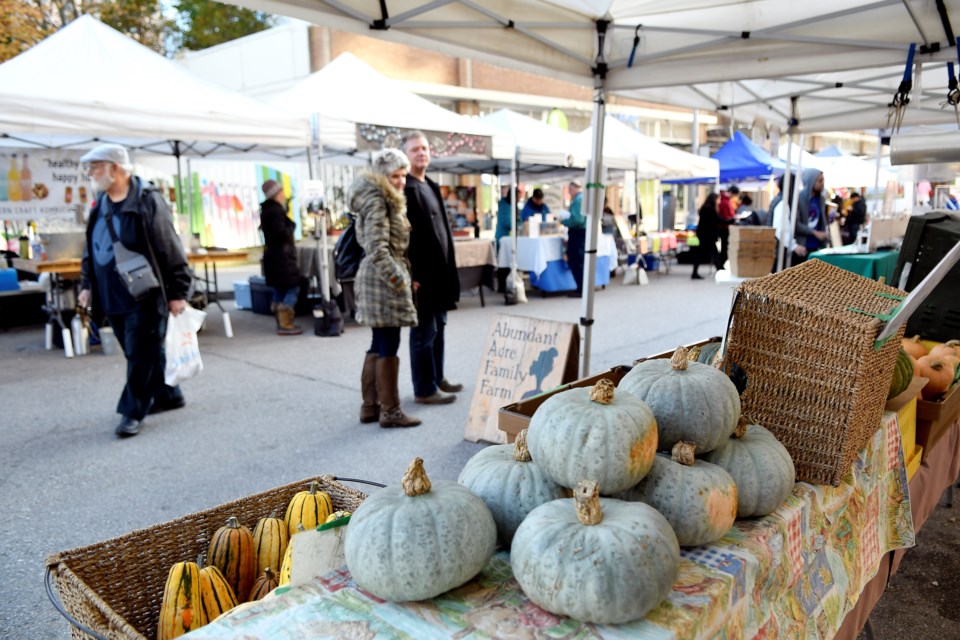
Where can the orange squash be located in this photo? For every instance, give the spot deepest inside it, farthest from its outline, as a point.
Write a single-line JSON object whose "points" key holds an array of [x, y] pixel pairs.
{"points": [[951, 349], [231, 551], [217, 595], [914, 347], [266, 583], [270, 539], [181, 610], [939, 373]]}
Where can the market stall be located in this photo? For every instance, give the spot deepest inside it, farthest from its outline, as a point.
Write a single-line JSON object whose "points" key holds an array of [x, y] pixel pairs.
{"points": [[543, 258]]}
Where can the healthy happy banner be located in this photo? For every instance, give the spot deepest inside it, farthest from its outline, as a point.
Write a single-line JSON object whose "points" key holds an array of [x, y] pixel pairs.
{"points": [[41, 184]]}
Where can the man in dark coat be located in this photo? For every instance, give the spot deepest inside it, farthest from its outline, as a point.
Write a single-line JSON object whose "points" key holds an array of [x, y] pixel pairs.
{"points": [[436, 284], [141, 221], [280, 257]]}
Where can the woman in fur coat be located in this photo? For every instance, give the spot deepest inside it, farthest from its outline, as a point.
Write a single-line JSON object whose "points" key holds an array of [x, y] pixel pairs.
{"points": [[383, 285]]}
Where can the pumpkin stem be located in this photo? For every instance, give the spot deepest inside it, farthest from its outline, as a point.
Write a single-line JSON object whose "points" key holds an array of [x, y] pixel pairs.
{"points": [[269, 573], [741, 428], [679, 359], [415, 481], [313, 487], [682, 452], [602, 392], [520, 451], [233, 523], [952, 343], [936, 365], [200, 560], [586, 498]]}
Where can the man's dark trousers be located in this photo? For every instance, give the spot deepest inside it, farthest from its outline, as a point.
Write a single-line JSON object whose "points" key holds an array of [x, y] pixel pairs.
{"points": [[426, 351], [576, 241]]}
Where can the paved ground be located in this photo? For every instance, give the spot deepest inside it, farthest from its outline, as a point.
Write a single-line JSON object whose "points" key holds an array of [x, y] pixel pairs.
{"points": [[267, 411]]}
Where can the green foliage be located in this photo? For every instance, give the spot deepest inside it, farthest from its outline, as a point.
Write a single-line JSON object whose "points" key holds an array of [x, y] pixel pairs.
{"points": [[205, 23]]}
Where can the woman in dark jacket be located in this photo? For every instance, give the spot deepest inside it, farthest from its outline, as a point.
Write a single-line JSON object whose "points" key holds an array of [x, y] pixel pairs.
{"points": [[383, 286], [280, 257], [708, 232]]}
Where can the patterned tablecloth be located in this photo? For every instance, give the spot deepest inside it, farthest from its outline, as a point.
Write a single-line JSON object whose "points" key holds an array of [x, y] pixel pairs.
{"points": [[792, 574]]}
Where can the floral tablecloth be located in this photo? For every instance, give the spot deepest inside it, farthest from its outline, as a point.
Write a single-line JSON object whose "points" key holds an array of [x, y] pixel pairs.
{"points": [[792, 574]]}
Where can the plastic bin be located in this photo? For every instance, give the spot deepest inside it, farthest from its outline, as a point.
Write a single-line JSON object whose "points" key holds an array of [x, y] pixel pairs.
{"points": [[242, 296]]}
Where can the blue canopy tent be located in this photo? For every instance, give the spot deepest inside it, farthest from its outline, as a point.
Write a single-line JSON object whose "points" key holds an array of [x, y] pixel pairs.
{"points": [[741, 159], [833, 151]]}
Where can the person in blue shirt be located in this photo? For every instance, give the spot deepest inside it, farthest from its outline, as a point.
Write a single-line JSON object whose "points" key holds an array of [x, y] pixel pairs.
{"points": [[576, 225], [504, 224], [534, 205]]}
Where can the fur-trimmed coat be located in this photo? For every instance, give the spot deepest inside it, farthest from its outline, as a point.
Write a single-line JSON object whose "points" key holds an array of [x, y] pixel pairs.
{"points": [[383, 287]]}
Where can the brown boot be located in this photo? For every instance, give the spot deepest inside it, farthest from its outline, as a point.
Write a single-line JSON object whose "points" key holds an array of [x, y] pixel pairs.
{"points": [[285, 326], [391, 415], [370, 409]]}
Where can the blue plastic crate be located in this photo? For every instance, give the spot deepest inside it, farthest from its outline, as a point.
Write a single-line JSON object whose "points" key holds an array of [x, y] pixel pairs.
{"points": [[242, 295]]}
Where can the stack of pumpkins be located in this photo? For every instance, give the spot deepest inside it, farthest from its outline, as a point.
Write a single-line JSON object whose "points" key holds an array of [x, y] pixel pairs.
{"points": [[940, 365], [239, 563], [597, 559]]}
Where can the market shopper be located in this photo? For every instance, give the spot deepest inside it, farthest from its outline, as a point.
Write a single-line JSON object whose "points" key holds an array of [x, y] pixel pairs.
{"points": [[794, 242], [707, 233], [384, 288], [856, 218], [141, 221], [534, 205], [811, 228], [436, 284], [727, 215], [576, 224], [280, 267]]}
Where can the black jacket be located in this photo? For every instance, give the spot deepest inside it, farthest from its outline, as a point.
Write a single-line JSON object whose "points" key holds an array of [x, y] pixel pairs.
{"points": [[153, 225], [280, 265], [439, 282]]}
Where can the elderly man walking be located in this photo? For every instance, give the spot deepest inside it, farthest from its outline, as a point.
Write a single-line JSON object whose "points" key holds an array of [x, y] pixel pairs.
{"points": [[436, 284], [131, 211]]}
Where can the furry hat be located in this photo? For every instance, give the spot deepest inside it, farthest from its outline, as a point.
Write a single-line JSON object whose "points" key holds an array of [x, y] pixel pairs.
{"points": [[387, 161], [271, 188]]}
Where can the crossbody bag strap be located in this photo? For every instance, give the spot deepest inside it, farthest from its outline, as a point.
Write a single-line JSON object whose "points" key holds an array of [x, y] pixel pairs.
{"points": [[153, 257]]}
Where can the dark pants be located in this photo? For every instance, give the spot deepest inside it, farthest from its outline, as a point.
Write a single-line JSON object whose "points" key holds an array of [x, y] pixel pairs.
{"points": [[386, 341], [576, 240], [426, 351], [140, 334], [724, 232]]}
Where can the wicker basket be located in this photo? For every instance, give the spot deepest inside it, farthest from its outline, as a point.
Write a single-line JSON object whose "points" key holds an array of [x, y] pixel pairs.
{"points": [[805, 338], [115, 587]]}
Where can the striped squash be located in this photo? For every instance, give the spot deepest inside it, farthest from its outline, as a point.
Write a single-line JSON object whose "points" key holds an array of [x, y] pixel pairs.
{"points": [[308, 508], [181, 610], [270, 538], [217, 595], [266, 583], [286, 565], [231, 551]]}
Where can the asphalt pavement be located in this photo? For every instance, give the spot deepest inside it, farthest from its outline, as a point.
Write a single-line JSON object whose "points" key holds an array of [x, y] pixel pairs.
{"points": [[265, 411]]}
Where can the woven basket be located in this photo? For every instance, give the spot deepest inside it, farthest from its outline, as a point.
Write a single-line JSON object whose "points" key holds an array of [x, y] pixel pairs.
{"points": [[814, 377], [115, 587]]}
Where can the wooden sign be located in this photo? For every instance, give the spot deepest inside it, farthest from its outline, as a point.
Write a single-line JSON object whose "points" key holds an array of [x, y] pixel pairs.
{"points": [[522, 357]]}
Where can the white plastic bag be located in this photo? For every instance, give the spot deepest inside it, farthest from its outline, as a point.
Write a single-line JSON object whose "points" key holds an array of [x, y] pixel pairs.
{"points": [[642, 278], [181, 347], [631, 275]]}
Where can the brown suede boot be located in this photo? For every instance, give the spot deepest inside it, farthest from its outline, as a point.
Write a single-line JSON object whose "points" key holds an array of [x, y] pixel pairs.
{"points": [[285, 325], [391, 415], [370, 409]]}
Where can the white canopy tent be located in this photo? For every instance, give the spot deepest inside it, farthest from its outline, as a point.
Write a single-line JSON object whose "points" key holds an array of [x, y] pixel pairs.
{"points": [[751, 57], [348, 94], [654, 159], [50, 97]]}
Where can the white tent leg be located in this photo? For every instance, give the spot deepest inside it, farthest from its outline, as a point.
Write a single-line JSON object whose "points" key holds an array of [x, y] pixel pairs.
{"points": [[594, 201], [782, 233]]}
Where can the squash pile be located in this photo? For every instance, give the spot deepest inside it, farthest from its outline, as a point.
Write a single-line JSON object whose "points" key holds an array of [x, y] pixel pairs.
{"points": [[940, 365], [241, 566], [662, 461]]}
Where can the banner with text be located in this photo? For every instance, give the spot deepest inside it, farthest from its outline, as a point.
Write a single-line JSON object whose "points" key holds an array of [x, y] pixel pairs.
{"points": [[522, 358], [40, 184]]}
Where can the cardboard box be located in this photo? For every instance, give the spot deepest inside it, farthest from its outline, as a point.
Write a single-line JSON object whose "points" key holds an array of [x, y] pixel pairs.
{"points": [[744, 234], [934, 418], [752, 267]]}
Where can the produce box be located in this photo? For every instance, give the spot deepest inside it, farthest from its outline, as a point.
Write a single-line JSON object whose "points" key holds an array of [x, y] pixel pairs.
{"points": [[115, 587], [905, 406], [805, 339], [742, 234], [742, 267], [934, 418], [914, 463], [514, 418]]}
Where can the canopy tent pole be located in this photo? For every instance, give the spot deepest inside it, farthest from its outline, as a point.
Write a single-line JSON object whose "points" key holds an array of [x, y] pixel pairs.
{"points": [[876, 175], [513, 212], [691, 217], [594, 194], [795, 205], [782, 234], [176, 154], [322, 214]]}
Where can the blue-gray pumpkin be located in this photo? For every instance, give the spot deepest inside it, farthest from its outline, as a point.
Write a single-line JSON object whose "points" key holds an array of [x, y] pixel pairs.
{"points": [[505, 477], [697, 498], [596, 560], [590, 433], [420, 539], [692, 402], [760, 466]]}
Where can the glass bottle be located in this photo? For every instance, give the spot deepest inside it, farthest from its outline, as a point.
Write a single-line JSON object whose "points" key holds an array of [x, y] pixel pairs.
{"points": [[13, 180], [26, 180]]}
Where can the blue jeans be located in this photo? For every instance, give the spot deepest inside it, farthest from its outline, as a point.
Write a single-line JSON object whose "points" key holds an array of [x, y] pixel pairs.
{"points": [[386, 341], [576, 240], [286, 296], [140, 334], [426, 352]]}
